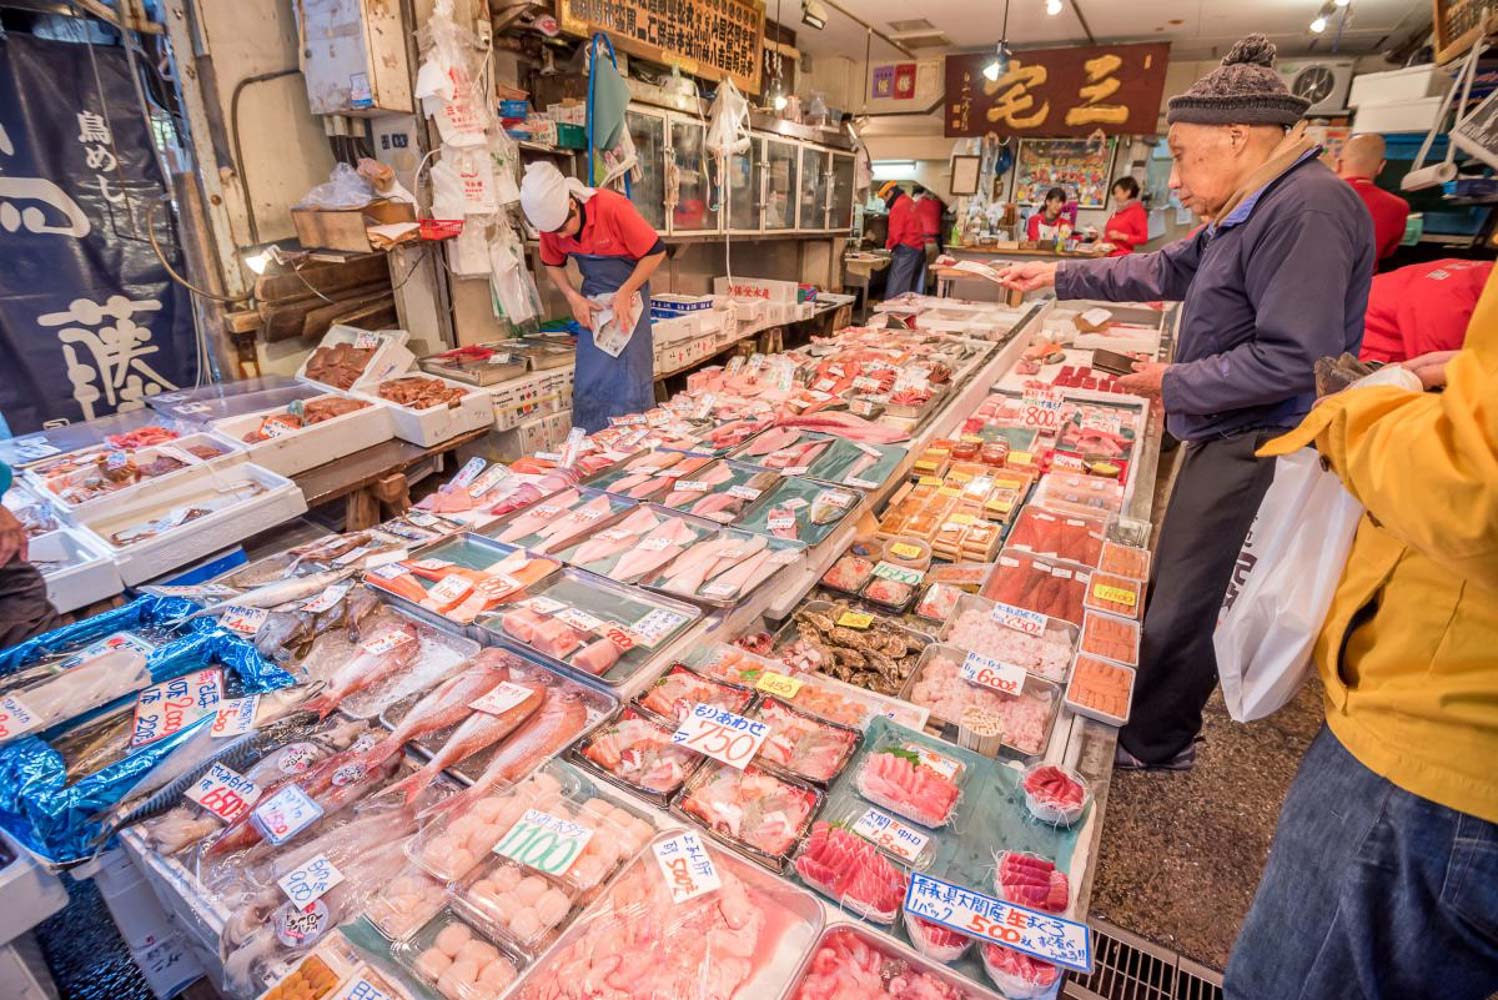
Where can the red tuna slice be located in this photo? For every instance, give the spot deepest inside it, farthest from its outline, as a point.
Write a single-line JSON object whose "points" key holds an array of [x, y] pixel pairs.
{"points": [[1032, 881], [913, 790]]}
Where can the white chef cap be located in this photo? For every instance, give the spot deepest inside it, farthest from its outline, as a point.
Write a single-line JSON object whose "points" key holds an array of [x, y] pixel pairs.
{"points": [[544, 193]]}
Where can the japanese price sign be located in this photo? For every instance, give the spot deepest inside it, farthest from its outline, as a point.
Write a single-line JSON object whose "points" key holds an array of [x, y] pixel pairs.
{"points": [[224, 792], [1019, 619], [163, 709], [503, 698], [1042, 935], [889, 833], [899, 574], [236, 716], [1006, 677], [360, 988], [307, 882], [544, 842], [245, 621], [686, 867], [469, 472], [1042, 409], [16, 719], [329, 597], [779, 684], [109, 644], [656, 626], [488, 480], [721, 734], [285, 814]]}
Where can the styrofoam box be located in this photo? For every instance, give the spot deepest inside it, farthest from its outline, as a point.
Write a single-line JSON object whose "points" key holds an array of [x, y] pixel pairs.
{"points": [[1409, 84], [280, 501], [91, 575], [31, 893], [234, 452], [23, 970], [435, 424], [1418, 115], [664, 332], [763, 289], [139, 914], [390, 357], [316, 445]]}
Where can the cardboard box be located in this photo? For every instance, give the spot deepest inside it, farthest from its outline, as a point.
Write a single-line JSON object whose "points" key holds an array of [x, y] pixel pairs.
{"points": [[344, 229]]}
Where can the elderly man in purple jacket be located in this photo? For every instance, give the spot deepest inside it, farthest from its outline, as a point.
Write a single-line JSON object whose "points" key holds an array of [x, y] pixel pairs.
{"points": [[1278, 279]]}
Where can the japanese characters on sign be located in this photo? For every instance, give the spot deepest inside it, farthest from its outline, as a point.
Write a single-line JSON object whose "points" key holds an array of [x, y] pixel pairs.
{"points": [[163, 709], [686, 867], [1058, 92], [716, 39], [721, 734], [545, 842], [1043, 935]]}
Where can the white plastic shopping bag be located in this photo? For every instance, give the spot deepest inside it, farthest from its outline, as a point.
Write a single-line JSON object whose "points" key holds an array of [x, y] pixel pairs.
{"points": [[1282, 587]]}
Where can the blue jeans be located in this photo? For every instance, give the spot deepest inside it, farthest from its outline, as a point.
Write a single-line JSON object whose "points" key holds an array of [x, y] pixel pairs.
{"points": [[1371, 892]]}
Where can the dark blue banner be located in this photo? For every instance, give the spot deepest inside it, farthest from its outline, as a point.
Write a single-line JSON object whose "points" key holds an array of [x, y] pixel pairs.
{"points": [[89, 322]]}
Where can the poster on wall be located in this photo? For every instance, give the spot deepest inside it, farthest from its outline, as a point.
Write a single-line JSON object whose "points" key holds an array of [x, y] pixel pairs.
{"points": [[90, 324], [905, 81], [1082, 167], [1058, 92], [883, 86]]}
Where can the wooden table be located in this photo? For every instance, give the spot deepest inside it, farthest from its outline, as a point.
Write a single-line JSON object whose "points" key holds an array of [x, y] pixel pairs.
{"points": [[372, 482], [858, 275]]}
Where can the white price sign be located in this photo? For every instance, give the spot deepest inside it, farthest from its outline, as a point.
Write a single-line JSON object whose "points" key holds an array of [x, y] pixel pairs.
{"points": [[285, 814], [16, 719], [721, 734], [686, 867], [327, 599], [1019, 619], [307, 882], [163, 709], [235, 716], [691, 486], [657, 625], [579, 619], [1045, 936], [1042, 409], [889, 833], [744, 492], [899, 574], [224, 792], [544, 842], [245, 621], [502, 699], [470, 471], [985, 670], [486, 482]]}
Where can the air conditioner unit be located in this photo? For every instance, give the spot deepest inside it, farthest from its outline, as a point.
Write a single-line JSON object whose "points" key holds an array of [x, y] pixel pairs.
{"points": [[1323, 82]]}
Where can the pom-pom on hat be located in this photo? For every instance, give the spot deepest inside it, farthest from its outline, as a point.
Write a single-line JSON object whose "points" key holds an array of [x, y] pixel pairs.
{"points": [[1244, 90]]}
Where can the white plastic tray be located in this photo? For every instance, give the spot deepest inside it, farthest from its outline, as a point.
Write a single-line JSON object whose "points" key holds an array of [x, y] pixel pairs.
{"points": [[90, 576], [312, 446], [221, 529], [234, 453], [435, 424], [390, 358]]}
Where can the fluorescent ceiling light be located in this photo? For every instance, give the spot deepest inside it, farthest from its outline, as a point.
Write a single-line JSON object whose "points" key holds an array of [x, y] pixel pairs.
{"points": [[894, 170]]}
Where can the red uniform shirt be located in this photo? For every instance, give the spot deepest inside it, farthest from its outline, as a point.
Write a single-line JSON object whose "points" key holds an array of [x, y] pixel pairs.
{"points": [[928, 210], [1039, 230], [1422, 308], [1389, 213], [611, 228], [904, 225], [1131, 220]]}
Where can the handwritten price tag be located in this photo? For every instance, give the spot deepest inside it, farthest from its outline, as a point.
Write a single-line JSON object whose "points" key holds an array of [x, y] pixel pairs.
{"points": [[544, 842], [906, 550], [721, 735], [1042, 409], [779, 685], [470, 471], [235, 717], [501, 699], [579, 619], [1019, 619], [1045, 936], [889, 833], [1117, 595], [617, 634], [366, 339], [285, 814], [899, 574], [360, 988], [656, 626], [490, 479], [224, 792], [450, 589], [1006, 677], [306, 883], [855, 619], [781, 522], [16, 719], [686, 867], [691, 486], [744, 492], [329, 597], [163, 709], [245, 621], [386, 641]]}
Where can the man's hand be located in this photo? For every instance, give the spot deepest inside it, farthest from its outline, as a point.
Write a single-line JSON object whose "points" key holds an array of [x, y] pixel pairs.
{"points": [[1430, 368], [623, 305], [13, 540], [583, 309], [1145, 379], [1029, 276]]}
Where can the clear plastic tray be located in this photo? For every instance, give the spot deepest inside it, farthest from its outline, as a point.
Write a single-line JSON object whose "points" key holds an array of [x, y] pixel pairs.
{"points": [[469, 557], [1058, 535], [433, 956], [636, 937], [732, 487], [1027, 719], [715, 591], [802, 746], [755, 812], [671, 697], [568, 515], [582, 599], [405, 905], [972, 627], [883, 633], [1110, 637], [814, 508], [875, 956], [1051, 588], [634, 750]]}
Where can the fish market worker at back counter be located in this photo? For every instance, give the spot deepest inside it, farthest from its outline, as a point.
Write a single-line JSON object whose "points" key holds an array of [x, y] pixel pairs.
{"points": [[616, 251]]}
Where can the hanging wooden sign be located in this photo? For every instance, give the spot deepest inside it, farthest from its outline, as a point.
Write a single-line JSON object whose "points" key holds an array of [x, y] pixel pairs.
{"points": [[715, 39], [1460, 23]]}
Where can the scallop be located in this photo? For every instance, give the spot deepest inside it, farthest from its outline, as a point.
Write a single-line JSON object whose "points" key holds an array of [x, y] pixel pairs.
{"points": [[552, 907], [479, 952], [432, 963], [525, 925], [452, 938], [497, 975], [599, 808], [530, 889]]}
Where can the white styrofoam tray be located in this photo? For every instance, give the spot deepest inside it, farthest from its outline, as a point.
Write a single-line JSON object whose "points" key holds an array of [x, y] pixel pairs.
{"points": [[233, 453], [220, 529], [315, 445], [391, 356], [435, 424], [90, 575]]}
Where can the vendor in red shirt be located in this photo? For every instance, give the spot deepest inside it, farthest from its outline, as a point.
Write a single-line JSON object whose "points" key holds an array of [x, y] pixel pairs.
{"points": [[1048, 225], [929, 209], [1422, 308], [1359, 164], [616, 252], [1129, 226], [907, 242]]}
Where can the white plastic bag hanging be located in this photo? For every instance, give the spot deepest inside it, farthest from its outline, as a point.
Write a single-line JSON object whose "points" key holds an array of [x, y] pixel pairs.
{"points": [[448, 81], [514, 290], [467, 176], [728, 122]]}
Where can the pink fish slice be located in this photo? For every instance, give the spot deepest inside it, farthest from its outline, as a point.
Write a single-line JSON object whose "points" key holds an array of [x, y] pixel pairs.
{"points": [[656, 550], [733, 555], [732, 583], [712, 478], [539, 516], [577, 522], [628, 483], [689, 571], [619, 538]]}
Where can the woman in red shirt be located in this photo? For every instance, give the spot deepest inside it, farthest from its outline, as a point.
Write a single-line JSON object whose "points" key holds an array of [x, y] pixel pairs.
{"points": [[1048, 225], [1130, 224]]}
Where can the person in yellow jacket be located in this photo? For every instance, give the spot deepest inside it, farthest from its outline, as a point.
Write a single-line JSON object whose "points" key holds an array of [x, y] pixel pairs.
{"points": [[1382, 880]]}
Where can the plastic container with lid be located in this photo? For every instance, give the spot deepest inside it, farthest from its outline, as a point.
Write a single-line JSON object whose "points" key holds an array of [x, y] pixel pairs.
{"points": [[452, 958], [1101, 690], [908, 551]]}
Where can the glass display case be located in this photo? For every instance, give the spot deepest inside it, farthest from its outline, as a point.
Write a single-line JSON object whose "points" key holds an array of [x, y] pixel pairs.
{"points": [[648, 186], [815, 168], [782, 166], [698, 192], [841, 218], [745, 182]]}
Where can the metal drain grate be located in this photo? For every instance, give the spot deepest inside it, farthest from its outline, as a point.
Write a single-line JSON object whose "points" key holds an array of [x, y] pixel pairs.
{"points": [[1127, 967]]}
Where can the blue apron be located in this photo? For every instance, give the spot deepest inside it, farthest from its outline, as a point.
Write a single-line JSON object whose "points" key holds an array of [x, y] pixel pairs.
{"points": [[907, 272], [606, 387]]}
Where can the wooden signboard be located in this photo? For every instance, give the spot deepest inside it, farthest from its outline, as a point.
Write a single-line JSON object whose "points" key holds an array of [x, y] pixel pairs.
{"points": [[1460, 23], [1058, 92], [716, 39]]}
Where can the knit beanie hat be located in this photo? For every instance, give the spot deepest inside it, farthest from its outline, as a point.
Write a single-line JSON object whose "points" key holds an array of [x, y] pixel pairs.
{"points": [[1244, 90]]}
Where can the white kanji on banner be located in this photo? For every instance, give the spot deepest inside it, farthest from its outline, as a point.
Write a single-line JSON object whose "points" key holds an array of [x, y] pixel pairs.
{"points": [[116, 351]]}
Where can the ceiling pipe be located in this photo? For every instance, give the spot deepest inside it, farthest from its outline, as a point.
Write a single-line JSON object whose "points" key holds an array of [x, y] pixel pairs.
{"points": [[860, 21]]}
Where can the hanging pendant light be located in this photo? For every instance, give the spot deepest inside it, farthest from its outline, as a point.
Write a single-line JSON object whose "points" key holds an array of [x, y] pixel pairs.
{"points": [[776, 95], [999, 64]]}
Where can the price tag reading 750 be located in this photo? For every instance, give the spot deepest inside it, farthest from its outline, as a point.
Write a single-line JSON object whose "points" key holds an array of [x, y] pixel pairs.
{"points": [[722, 735]]}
